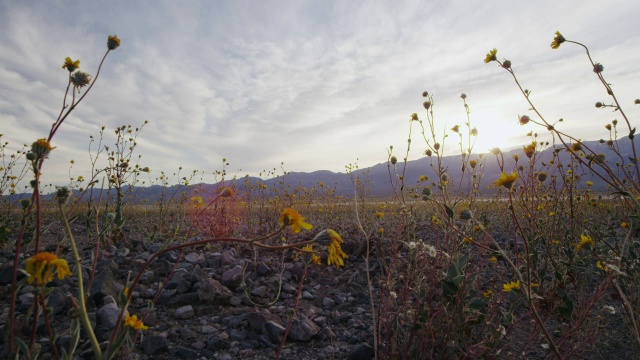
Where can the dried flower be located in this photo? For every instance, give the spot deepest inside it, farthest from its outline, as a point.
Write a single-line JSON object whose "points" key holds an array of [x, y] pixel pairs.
{"points": [[80, 79], [41, 148], [332, 241], [598, 68], [113, 42], [524, 119], [559, 39]]}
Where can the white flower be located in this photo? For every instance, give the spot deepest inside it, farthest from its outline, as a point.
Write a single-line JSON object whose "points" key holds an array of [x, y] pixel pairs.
{"points": [[432, 251], [610, 309], [393, 294], [412, 245]]}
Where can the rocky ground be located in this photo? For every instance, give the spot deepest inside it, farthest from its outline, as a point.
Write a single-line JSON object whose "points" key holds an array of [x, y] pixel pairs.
{"points": [[210, 310]]}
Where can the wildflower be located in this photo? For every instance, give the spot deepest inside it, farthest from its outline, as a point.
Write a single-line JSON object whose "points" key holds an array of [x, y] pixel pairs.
{"points": [[487, 294], [541, 176], [41, 265], [511, 286], [576, 147], [474, 132], [431, 250], [412, 245], [493, 259], [414, 117], [423, 178], [467, 240], [113, 42], [41, 148], [624, 225], [308, 249], [197, 201], [589, 183], [379, 214], [506, 180], [456, 129], [473, 163], [146, 169], [80, 79], [380, 231], [559, 39], [599, 104], [495, 151], [552, 213], [534, 285], [70, 64], [530, 149], [426, 104], [435, 220], [555, 242], [133, 322], [291, 217], [463, 96], [394, 160], [491, 56], [506, 64], [332, 241], [226, 192], [584, 240], [601, 266]]}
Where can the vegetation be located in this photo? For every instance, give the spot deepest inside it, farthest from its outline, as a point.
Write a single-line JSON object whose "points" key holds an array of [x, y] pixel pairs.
{"points": [[544, 263]]}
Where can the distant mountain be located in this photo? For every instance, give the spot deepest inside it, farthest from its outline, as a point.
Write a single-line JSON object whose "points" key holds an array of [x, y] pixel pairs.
{"points": [[377, 178]]}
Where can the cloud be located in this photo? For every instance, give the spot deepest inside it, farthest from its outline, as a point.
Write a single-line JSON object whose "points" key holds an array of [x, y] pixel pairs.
{"points": [[315, 85]]}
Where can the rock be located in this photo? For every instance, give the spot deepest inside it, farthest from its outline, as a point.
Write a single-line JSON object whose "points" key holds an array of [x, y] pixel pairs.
{"points": [[194, 257], [273, 331], [363, 351], [180, 282], [227, 258], [122, 252], [208, 329], [258, 319], [154, 344], [302, 329], [232, 278], [103, 285], [108, 315], [263, 269], [307, 295], [212, 292], [184, 299], [6, 275], [218, 343], [260, 291], [237, 334], [184, 353], [185, 312], [26, 299], [328, 303]]}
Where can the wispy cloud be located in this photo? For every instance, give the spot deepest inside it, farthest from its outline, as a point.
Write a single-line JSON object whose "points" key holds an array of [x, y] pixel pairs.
{"points": [[315, 85]]}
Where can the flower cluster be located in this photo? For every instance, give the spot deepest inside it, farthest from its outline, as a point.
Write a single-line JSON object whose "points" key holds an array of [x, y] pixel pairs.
{"points": [[40, 268]]}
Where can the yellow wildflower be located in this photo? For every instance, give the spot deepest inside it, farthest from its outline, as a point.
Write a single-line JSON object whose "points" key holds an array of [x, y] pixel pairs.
{"points": [[380, 231], [559, 39], [197, 201], [132, 321], [435, 220], [332, 241], [467, 240], [589, 183], [511, 286], [506, 180], [291, 217], [602, 266], [41, 148], [70, 64], [41, 265], [487, 294], [493, 259], [491, 56], [624, 225], [308, 250], [584, 240], [379, 214]]}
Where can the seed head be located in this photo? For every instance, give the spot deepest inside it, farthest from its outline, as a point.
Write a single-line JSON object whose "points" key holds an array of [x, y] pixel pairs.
{"points": [[113, 42]]}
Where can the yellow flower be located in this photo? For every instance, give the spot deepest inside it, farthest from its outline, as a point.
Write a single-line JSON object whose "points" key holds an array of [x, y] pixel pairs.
{"points": [[379, 214], [493, 259], [589, 183], [506, 180], [584, 240], [380, 231], [41, 265], [624, 225], [112, 42], [491, 56], [534, 285], [197, 201], [435, 220], [467, 240], [511, 286], [41, 148], [552, 213], [488, 294], [291, 217], [70, 64], [132, 321], [559, 39], [602, 266], [332, 241]]}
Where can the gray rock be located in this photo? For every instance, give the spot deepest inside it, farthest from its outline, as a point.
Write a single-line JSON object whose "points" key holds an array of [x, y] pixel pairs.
{"points": [[103, 285], [260, 291], [6, 275], [363, 351], [154, 344], [122, 252], [194, 257], [185, 312], [328, 303], [218, 343], [259, 318], [108, 315], [26, 299], [208, 329], [184, 353], [212, 292], [273, 331], [307, 295], [302, 329], [184, 299], [263, 269], [232, 278], [237, 334], [180, 281], [227, 258]]}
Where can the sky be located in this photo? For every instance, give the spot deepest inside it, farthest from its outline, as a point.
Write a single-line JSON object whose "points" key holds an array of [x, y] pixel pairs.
{"points": [[304, 85]]}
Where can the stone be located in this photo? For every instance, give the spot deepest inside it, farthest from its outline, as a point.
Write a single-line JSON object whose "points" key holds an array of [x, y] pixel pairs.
{"points": [[260, 291], [6, 275], [154, 344], [184, 353], [108, 315], [273, 331], [184, 299], [328, 303], [302, 329], [179, 282], [263, 269], [258, 319], [307, 295], [363, 351], [232, 278], [194, 257], [184, 312], [212, 292], [103, 285], [237, 334]]}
